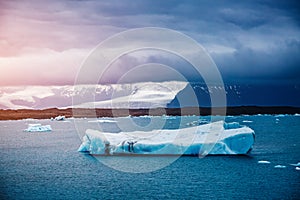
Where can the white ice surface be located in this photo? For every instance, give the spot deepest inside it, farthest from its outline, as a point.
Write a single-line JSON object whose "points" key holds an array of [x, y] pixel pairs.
{"points": [[296, 165], [131, 95], [212, 138], [60, 118], [280, 166], [38, 128], [139, 95], [102, 121], [264, 162]]}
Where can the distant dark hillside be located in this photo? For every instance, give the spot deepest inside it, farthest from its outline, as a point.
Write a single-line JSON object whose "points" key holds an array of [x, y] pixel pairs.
{"points": [[92, 113], [238, 95]]}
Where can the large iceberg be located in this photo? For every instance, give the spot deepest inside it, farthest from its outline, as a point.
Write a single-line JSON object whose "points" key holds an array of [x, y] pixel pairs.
{"points": [[198, 140]]}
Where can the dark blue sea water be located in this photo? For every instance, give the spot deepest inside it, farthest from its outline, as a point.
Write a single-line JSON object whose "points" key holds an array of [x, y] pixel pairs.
{"points": [[48, 166]]}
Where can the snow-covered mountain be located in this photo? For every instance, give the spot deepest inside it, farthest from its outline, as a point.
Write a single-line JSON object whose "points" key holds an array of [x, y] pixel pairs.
{"points": [[171, 94], [135, 95]]}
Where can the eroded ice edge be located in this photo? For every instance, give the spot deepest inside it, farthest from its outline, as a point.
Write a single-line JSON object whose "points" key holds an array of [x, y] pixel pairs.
{"points": [[186, 141]]}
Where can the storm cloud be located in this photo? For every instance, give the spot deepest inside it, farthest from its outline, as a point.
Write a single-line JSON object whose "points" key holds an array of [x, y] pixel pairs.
{"points": [[254, 41]]}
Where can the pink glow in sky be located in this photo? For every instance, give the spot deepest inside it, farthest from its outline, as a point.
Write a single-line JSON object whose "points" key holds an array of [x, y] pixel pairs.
{"points": [[45, 42]]}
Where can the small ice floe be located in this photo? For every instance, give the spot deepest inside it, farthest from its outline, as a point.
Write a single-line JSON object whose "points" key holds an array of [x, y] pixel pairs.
{"points": [[202, 121], [280, 166], [264, 162], [297, 115], [143, 116], [168, 117], [297, 168], [38, 128], [277, 119], [247, 121], [232, 125], [296, 165], [60, 118], [102, 121], [281, 115], [29, 119], [193, 123]]}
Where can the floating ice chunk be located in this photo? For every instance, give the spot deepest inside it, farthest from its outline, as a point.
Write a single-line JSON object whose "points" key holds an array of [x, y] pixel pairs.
{"points": [[169, 117], [296, 165], [60, 118], [232, 125], [38, 128], [102, 121], [279, 166], [193, 123], [297, 168], [281, 115], [29, 119], [264, 162], [202, 121], [143, 116], [247, 121], [187, 141]]}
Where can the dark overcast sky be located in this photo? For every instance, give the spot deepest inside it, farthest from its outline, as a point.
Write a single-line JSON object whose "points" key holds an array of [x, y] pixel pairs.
{"points": [[45, 42]]}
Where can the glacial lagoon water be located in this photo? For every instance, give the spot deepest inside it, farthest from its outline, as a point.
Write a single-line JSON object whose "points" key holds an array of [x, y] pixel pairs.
{"points": [[46, 165]]}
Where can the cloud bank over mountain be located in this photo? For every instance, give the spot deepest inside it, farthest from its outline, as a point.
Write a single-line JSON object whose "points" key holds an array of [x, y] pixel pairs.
{"points": [[44, 43]]}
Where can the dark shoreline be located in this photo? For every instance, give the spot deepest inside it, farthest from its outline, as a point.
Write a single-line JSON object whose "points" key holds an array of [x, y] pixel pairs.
{"points": [[93, 113]]}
